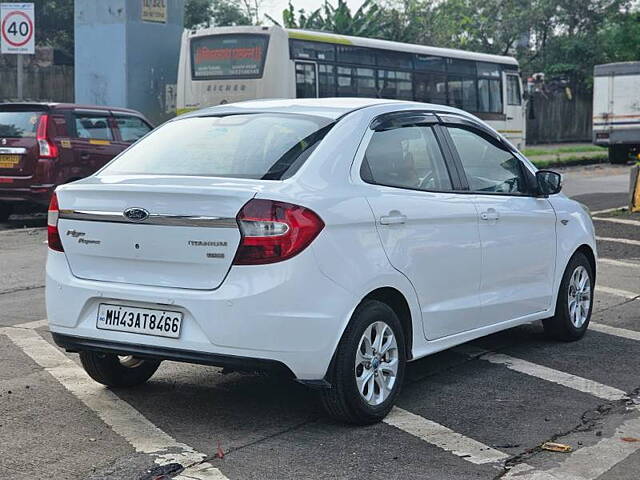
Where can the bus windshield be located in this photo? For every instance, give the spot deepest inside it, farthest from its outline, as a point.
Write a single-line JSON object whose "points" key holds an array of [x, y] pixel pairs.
{"points": [[228, 56]]}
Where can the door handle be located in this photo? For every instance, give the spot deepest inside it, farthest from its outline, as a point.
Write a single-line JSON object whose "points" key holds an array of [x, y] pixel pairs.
{"points": [[394, 218], [490, 214], [84, 156]]}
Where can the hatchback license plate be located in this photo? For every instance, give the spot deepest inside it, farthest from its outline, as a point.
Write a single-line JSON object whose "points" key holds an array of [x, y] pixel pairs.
{"points": [[161, 323], [9, 161]]}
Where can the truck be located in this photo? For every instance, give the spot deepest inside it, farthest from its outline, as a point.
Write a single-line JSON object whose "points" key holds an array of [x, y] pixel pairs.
{"points": [[616, 109]]}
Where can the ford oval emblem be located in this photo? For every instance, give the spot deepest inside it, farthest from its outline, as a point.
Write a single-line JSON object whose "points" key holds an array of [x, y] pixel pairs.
{"points": [[136, 214]]}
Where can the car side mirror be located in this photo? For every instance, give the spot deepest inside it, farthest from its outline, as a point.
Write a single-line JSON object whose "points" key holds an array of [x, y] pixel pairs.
{"points": [[549, 183]]}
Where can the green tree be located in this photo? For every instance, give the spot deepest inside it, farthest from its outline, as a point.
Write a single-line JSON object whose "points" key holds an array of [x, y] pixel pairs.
{"points": [[219, 13], [54, 24], [367, 21]]}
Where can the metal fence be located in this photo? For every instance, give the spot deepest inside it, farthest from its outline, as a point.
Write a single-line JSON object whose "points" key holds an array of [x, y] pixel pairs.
{"points": [[559, 117], [52, 84]]}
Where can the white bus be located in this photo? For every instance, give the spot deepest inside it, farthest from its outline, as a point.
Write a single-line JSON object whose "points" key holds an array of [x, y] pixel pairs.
{"points": [[230, 64]]}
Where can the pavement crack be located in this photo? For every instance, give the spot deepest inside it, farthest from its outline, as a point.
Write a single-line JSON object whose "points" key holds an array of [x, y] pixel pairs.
{"points": [[588, 421], [209, 459], [21, 289], [617, 304]]}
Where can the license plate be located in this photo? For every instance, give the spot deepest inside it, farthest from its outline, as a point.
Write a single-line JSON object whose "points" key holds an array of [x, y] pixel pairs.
{"points": [[146, 321], [9, 161]]}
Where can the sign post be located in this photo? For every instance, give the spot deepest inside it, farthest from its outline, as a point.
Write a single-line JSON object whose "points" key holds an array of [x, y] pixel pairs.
{"points": [[17, 32]]}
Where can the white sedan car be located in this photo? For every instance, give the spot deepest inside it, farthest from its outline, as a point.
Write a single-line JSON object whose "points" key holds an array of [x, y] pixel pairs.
{"points": [[331, 239]]}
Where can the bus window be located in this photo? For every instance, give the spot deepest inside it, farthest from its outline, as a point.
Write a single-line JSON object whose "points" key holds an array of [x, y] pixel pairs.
{"points": [[462, 93], [346, 83], [513, 90], [489, 95], [228, 56], [358, 55], [326, 80], [394, 59], [305, 80], [366, 82], [430, 88], [429, 63], [313, 50], [397, 85]]}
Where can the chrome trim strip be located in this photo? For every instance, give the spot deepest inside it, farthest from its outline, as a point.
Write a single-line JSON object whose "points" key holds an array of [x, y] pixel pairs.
{"points": [[154, 219], [13, 150]]}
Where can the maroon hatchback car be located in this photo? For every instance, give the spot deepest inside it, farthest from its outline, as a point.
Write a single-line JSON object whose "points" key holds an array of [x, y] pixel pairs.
{"points": [[43, 145]]}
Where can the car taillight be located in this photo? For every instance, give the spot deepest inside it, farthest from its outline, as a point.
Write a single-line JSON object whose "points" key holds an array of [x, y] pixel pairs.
{"points": [[53, 236], [274, 231], [48, 149]]}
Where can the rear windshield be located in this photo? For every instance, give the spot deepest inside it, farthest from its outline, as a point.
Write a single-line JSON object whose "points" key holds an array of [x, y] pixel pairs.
{"points": [[18, 124], [262, 146], [228, 56]]}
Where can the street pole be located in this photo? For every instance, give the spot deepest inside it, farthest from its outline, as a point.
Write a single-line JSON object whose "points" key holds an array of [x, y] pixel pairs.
{"points": [[20, 76]]}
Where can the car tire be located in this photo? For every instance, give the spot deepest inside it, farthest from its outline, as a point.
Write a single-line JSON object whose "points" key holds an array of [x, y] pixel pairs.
{"points": [[374, 326], [5, 212], [618, 154], [114, 371], [575, 302]]}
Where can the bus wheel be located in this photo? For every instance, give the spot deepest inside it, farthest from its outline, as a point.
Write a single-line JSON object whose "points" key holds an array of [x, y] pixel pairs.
{"points": [[618, 154]]}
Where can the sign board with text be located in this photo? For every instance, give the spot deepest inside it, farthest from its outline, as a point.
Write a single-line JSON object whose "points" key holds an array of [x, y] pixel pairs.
{"points": [[17, 24], [154, 11]]}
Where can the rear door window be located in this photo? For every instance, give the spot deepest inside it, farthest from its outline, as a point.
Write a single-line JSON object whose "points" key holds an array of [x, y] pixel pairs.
{"points": [[93, 126], [131, 128], [407, 157], [19, 124]]}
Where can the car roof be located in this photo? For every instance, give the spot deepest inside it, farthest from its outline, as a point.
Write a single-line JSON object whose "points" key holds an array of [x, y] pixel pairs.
{"points": [[67, 106], [331, 108]]}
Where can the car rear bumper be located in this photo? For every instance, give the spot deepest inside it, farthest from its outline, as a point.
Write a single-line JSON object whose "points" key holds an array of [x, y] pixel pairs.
{"points": [[79, 344], [286, 313]]}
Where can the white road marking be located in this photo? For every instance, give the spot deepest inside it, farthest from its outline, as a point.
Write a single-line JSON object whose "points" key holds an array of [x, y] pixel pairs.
{"points": [[588, 463], [545, 373], [624, 221], [619, 240], [608, 210], [618, 263], [618, 332], [32, 325], [125, 420], [617, 292], [443, 437], [556, 376]]}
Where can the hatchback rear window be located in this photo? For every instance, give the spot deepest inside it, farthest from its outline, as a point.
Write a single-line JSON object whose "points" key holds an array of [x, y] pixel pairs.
{"points": [[260, 146], [19, 124]]}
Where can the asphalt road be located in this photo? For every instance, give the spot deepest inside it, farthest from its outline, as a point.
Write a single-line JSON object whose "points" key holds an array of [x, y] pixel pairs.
{"points": [[479, 411]]}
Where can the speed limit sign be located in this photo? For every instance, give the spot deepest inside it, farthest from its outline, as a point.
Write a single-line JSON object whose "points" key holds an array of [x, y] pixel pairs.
{"points": [[17, 27]]}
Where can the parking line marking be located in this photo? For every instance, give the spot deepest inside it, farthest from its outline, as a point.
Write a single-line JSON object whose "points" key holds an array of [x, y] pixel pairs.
{"points": [[588, 463], [624, 221], [123, 419], [618, 263], [32, 325], [619, 240], [616, 331], [617, 292], [559, 377], [443, 437], [556, 376], [608, 210]]}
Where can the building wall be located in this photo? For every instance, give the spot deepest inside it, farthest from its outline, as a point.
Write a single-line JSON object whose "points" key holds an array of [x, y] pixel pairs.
{"points": [[123, 61]]}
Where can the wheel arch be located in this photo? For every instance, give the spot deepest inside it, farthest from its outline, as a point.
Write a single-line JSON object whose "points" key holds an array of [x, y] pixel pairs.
{"points": [[589, 253], [395, 299]]}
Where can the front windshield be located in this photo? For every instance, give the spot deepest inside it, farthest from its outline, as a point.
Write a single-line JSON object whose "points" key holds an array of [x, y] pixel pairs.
{"points": [[264, 146]]}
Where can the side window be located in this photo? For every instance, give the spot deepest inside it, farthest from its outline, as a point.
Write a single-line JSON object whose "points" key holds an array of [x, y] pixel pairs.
{"points": [[407, 157], [489, 167], [132, 128], [513, 90], [93, 126]]}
